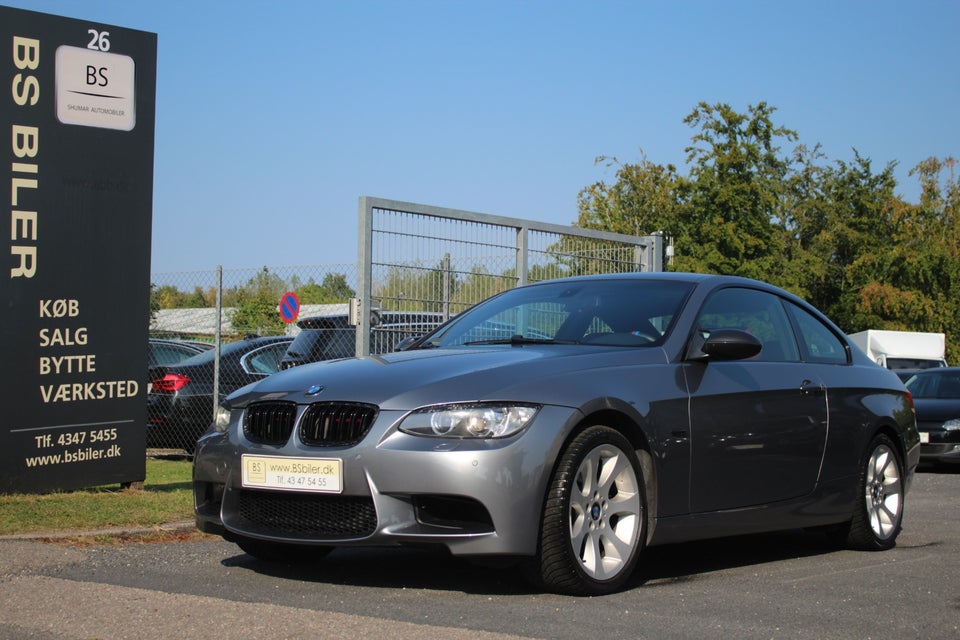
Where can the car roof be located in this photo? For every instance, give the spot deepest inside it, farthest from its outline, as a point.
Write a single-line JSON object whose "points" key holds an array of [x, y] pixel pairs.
{"points": [[670, 276], [196, 344], [713, 280], [339, 320], [934, 371], [248, 343], [229, 348]]}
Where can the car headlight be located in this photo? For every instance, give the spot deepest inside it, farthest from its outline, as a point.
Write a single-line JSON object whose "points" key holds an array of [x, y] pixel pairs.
{"points": [[486, 420], [222, 419], [952, 425]]}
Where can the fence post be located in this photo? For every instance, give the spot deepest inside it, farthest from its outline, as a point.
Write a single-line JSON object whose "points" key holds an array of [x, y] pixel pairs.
{"points": [[523, 250], [364, 275], [650, 254], [216, 342], [446, 286]]}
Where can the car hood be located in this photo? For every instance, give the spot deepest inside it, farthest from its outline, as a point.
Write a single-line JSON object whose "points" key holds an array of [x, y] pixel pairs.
{"points": [[406, 380]]}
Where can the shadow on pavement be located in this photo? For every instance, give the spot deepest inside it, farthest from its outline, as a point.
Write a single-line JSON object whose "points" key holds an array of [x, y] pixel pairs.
{"points": [[435, 569]]}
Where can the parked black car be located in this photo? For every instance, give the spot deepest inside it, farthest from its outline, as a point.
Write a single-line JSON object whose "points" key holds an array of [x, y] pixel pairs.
{"points": [[332, 336], [936, 395], [180, 396], [163, 351]]}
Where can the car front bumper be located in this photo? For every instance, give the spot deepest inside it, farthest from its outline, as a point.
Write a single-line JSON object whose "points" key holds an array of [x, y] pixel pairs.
{"points": [[940, 452], [939, 445], [475, 497]]}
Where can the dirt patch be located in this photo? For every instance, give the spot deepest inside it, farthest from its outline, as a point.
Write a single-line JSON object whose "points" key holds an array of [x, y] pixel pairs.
{"points": [[117, 539]]}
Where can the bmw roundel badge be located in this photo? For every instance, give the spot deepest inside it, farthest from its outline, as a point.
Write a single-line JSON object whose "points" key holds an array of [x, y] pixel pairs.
{"points": [[314, 390]]}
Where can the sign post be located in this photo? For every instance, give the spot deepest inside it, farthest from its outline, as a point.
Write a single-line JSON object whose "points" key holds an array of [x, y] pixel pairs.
{"points": [[78, 133]]}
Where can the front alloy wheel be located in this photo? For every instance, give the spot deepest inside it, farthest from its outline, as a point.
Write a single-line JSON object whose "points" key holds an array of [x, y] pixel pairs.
{"points": [[594, 520]]}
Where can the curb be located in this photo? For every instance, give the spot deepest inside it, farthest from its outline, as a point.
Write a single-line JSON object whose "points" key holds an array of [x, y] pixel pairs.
{"points": [[181, 526]]}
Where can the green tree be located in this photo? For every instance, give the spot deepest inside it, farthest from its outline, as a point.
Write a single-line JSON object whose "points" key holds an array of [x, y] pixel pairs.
{"points": [[835, 233], [169, 296], [154, 303], [912, 280], [166, 297], [808, 270], [852, 227], [199, 299], [645, 197], [255, 305], [733, 223], [333, 289]]}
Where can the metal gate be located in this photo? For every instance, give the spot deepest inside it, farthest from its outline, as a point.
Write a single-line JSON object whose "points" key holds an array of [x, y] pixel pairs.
{"points": [[414, 257]]}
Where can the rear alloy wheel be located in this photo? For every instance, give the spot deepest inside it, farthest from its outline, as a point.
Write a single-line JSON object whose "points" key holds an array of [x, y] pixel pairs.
{"points": [[878, 513], [594, 519]]}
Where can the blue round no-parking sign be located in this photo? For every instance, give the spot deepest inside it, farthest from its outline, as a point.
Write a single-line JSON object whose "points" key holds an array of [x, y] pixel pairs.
{"points": [[289, 307]]}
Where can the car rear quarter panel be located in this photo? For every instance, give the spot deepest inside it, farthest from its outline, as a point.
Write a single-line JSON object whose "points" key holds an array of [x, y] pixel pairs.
{"points": [[863, 401]]}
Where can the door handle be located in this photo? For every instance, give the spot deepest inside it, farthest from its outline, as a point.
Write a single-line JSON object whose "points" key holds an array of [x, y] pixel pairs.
{"points": [[808, 387]]}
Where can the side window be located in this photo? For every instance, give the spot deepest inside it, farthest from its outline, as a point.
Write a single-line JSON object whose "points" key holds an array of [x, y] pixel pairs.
{"points": [[817, 342], [266, 360], [168, 355], [756, 312], [172, 353]]}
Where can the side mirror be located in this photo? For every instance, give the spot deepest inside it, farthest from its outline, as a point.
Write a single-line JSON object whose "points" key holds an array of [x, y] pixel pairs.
{"points": [[727, 344]]}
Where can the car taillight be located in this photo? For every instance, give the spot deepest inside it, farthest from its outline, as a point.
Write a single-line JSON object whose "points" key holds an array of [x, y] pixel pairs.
{"points": [[910, 401], [170, 382]]}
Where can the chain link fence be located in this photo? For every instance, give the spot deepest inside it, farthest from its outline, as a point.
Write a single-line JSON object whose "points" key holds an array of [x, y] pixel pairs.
{"points": [[231, 313], [235, 313], [192, 305]]}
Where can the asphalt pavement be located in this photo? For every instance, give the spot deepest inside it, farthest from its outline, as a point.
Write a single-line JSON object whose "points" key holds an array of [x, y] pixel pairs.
{"points": [[782, 585]]}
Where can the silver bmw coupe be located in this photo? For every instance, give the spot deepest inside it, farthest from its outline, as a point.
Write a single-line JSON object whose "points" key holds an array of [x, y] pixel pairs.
{"points": [[567, 425]]}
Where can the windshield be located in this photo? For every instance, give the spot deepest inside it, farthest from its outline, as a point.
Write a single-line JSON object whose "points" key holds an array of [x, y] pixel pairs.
{"points": [[913, 363], [944, 385], [609, 312]]}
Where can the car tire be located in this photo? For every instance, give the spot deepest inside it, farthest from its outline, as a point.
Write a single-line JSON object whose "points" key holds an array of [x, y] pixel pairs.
{"points": [[281, 552], [878, 511], [593, 526]]}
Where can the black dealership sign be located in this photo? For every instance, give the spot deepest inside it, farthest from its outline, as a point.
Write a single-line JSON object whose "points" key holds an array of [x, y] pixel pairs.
{"points": [[77, 119]]}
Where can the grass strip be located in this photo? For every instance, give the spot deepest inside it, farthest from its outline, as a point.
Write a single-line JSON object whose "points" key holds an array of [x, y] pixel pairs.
{"points": [[166, 497]]}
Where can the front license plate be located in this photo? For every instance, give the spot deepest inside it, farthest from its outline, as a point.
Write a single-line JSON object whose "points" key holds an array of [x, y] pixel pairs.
{"points": [[320, 475], [924, 437]]}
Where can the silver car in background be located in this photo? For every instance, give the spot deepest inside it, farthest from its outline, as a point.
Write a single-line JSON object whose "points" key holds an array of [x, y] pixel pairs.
{"points": [[568, 425]]}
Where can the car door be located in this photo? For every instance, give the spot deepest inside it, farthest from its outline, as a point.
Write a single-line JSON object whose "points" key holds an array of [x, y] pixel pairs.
{"points": [[758, 426]]}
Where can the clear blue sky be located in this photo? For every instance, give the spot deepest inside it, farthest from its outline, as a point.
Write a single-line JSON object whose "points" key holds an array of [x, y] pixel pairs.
{"points": [[274, 117]]}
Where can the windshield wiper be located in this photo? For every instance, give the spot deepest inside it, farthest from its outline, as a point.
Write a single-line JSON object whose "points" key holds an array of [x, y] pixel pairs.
{"points": [[519, 340]]}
